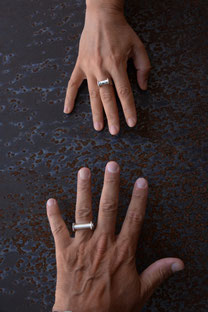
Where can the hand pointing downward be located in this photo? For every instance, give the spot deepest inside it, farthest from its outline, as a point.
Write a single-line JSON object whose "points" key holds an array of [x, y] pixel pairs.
{"points": [[106, 44]]}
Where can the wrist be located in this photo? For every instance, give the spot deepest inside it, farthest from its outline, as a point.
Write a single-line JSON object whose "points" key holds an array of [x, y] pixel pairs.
{"points": [[116, 6]]}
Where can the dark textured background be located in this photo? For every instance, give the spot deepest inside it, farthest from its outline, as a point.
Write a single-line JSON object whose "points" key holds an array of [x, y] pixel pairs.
{"points": [[41, 150]]}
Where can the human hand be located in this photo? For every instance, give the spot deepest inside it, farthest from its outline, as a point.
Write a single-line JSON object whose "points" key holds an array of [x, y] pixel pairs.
{"points": [[96, 271], [106, 44]]}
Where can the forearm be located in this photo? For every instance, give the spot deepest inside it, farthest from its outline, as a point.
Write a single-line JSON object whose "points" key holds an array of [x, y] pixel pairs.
{"points": [[116, 5]]}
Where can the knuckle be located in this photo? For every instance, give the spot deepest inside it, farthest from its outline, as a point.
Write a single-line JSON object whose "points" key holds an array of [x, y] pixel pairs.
{"points": [[124, 92], [72, 83], [83, 212], [113, 180], [162, 275], [94, 94], [116, 59], [107, 96], [84, 186], [129, 111], [135, 217], [109, 207], [141, 196], [58, 229], [96, 114]]}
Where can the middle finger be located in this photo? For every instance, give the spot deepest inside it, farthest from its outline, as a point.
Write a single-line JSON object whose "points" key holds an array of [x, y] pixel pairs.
{"points": [[96, 103], [109, 199], [110, 106]]}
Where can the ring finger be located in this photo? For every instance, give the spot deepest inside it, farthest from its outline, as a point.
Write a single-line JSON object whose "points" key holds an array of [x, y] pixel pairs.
{"points": [[84, 202]]}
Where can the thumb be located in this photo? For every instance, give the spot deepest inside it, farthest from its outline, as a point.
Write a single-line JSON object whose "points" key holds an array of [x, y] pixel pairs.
{"points": [[157, 273], [141, 63]]}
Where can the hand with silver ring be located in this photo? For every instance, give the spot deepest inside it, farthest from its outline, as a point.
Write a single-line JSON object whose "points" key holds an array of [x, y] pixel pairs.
{"points": [[96, 270], [106, 44]]}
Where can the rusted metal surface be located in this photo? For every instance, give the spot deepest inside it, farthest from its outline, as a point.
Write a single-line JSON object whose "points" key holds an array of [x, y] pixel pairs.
{"points": [[41, 149]]}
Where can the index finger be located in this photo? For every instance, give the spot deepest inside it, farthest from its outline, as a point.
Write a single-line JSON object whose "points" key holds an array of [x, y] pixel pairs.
{"points": [[74, 83]]}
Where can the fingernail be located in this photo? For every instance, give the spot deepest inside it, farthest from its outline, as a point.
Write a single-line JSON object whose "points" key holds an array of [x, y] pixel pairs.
{"points": [[98, 126], [51, 202], [114, 130], [66, 110], [177, 267], [131, 122], [84, 173], [113, 167], [141, 183]]}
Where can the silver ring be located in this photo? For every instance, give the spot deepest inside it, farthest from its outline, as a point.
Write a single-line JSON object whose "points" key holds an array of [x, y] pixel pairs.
{"points": [[83, 226], [104, 82]]}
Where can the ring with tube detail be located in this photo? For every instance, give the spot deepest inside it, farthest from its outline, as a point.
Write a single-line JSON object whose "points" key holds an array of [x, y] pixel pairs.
{"points": [[83, 226], [104, 82]]}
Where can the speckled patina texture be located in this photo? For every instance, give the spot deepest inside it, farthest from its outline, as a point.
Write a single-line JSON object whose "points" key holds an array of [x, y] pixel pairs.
{"points": [[41, 149]]}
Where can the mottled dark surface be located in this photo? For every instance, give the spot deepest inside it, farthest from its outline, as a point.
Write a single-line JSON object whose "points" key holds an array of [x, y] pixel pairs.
{"points": [[41, 150]]}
